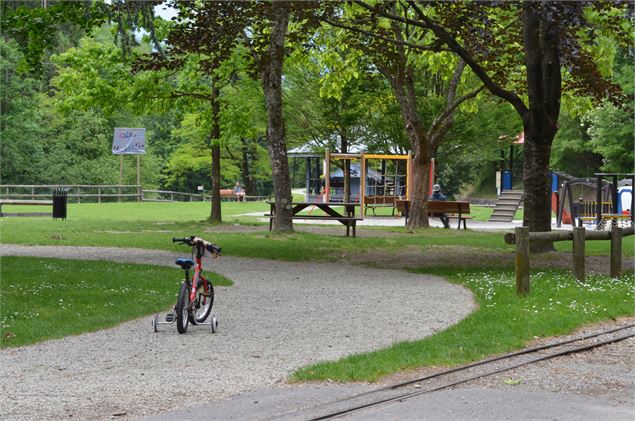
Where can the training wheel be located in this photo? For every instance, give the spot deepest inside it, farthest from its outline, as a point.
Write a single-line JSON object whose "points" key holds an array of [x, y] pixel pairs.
{"points": [[155, 322], [214, 324]]}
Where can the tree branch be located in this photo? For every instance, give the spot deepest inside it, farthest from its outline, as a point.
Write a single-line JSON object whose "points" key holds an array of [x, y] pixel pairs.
{"points": [[442, 123], [381, 37], [253, 52], [179, 94], [451, 42], [229, 153]]}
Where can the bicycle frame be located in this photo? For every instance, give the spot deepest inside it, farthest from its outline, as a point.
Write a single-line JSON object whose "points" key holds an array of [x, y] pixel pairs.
{"points": [[198, 269], [192, 305]]}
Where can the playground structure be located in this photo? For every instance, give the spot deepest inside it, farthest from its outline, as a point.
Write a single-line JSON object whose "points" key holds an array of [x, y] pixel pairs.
{"points": [[372, 180], [592, 201]]}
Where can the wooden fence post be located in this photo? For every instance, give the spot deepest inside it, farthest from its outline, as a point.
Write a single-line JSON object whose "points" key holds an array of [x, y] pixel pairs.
{"points": [[522, 261], [616, 252], [579, 234]]}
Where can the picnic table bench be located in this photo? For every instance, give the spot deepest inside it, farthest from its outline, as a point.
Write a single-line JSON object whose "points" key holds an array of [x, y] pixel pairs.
{"points": [[452, 209], [347, 218], [4, 202]]}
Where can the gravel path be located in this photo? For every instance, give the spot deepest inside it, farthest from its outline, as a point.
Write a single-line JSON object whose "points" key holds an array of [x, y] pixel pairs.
{"points": [[278, 316]]}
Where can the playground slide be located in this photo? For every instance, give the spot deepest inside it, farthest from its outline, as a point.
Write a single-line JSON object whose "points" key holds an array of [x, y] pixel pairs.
{"points": [[566, 216]]}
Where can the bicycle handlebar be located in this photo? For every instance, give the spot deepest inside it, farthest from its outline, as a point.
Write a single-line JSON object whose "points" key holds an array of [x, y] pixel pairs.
{"points": [[195, 241]]}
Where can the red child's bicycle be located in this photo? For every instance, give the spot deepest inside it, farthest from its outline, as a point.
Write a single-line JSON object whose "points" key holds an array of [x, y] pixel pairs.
{"points": [[196, 296]]}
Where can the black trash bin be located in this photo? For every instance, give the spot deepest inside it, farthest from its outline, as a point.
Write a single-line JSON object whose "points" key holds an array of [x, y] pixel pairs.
{"points": [[60, 199]]}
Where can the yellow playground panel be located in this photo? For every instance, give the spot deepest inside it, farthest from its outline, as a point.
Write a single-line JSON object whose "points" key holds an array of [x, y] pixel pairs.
{"points": [[372, 180]]}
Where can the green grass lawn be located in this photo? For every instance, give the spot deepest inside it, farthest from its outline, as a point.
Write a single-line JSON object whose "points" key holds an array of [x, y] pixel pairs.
{"points": [[51, 298], [152, 225], [503, 322]]}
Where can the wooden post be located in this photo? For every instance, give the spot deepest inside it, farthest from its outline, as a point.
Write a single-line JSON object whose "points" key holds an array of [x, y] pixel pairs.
{"points": [[327, 176], [98, 194], [616, 252], [578, 253], [362, 183], [522, 261], [598, 198], [138, 178], [119, 190]]}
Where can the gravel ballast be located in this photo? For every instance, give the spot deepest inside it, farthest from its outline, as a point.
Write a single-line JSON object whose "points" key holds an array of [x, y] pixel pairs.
{"points": [[277, 317]]}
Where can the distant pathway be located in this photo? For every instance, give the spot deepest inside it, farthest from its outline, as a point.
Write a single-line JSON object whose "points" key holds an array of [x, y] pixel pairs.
{"points": [[279, 316]]}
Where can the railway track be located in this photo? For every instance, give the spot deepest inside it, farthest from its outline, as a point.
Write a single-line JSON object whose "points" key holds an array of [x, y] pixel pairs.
{"points": [[459, 375]]}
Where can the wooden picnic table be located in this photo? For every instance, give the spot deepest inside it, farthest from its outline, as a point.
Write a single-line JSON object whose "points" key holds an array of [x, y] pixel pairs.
{"points": [[348, 218]]}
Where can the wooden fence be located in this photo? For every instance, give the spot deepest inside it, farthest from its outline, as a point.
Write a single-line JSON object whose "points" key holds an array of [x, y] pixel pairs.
{"points": [[76, 192], [522, 238], [79, 193]]}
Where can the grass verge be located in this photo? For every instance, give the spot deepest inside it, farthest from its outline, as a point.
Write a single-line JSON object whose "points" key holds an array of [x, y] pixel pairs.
{"points": [[111, 227], [503, 322], [51, 298]]}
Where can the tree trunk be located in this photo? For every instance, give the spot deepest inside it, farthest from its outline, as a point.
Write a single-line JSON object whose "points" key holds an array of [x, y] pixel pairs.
{"points": [[346, 168], [215, 215], [403, 87], [537, 208], [276, 138], [541, 121], [418, 216]]}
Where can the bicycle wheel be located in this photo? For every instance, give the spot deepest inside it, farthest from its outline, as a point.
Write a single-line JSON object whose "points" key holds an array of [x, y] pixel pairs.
{"points": [[203, 303], [182, 314]]}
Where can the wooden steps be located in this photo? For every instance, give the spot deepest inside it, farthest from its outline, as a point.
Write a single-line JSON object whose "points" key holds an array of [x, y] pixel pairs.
{"points": [[506, 206]]}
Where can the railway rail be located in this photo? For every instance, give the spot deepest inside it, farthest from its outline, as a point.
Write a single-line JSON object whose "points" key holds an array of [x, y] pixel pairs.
{"points": [[459, 375]]}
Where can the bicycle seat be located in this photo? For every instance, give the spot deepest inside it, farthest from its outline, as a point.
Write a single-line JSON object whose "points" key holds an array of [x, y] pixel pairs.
{"points": [[184, 263]]}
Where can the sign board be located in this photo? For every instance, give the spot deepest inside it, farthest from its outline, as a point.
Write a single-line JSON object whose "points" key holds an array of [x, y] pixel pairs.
{"points": [[129, 141]]}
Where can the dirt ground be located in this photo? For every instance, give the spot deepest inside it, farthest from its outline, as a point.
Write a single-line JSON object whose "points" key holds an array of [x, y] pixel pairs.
{"points": [[413, 257]]}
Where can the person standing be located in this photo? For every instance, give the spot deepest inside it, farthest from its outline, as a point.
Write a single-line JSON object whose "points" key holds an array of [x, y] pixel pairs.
{"points": [[438, 196]]}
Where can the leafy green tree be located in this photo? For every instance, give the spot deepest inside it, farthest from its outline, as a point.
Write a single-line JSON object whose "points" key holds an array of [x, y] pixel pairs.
{"points": [[243, 126], [402, 63], [611, 136], [541, 38], [264, 28], [598, 139], [20, 129], [41, 28]]}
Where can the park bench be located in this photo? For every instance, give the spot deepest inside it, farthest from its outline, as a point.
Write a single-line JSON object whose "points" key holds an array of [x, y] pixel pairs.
{"points": [[4, 202], [229, 194], [452, 209], [373, 202]]}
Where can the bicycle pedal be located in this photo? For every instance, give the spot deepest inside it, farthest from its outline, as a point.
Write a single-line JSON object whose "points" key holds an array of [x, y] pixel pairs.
{"points": [[170, 317]]}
